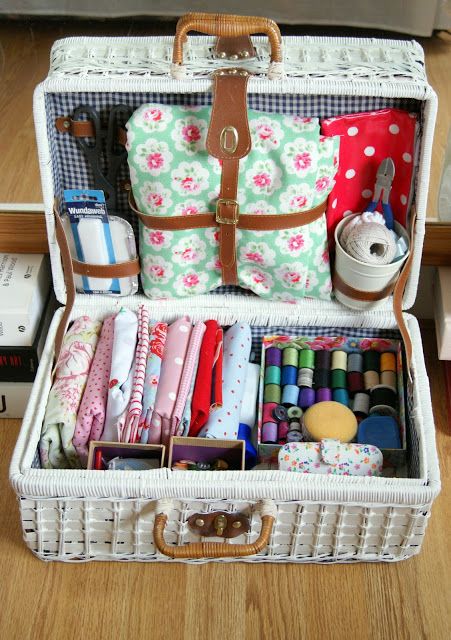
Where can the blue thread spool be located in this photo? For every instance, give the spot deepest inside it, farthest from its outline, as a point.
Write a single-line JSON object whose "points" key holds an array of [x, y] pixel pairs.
{"points": [[341, 396], [290, 395], [306, 397], [289, 375]]}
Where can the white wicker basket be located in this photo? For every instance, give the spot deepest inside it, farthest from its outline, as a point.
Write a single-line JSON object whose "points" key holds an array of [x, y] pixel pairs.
{"points": [[82, 515]]}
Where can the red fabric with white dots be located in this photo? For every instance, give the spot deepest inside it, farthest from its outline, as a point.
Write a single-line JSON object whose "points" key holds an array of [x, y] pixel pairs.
{"points": [[365, 140]]}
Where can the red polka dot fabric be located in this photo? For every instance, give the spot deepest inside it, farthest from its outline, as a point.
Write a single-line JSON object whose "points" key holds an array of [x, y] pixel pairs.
{"points": [[365, 140]]}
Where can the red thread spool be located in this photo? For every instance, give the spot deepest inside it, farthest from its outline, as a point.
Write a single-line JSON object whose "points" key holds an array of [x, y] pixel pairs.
{"points": [[268, 408], [355, 382]]}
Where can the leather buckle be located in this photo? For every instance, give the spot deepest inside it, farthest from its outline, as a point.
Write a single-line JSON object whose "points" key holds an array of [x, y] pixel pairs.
{"points": [[227, 202]]}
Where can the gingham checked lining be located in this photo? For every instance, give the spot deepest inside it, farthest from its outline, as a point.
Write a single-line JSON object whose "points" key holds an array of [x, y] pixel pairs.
{"points": [[71, 171]]}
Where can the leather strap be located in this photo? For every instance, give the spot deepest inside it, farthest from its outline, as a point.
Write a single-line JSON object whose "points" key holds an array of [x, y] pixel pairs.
{"points": [[247, 221], [66, 259], [118, 270], [84, 129], [357, 294], [239, 46], [228, 140]]}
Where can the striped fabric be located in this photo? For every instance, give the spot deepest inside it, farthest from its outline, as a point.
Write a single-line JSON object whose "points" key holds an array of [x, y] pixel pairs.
{"points": [[131, 431]]}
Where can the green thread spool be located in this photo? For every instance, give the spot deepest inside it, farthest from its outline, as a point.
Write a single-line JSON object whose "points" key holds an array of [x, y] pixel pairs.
{"points": [[306, 359], [272, 393], [290, 357], [272, 375], [338, 379]]}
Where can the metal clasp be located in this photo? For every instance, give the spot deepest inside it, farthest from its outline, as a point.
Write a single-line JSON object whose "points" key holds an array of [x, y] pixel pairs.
{"points": [[227, 203], [229, 140]]}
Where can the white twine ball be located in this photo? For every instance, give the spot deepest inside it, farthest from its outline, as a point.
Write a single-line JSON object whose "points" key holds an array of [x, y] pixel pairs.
{"points": [[370, 242]]}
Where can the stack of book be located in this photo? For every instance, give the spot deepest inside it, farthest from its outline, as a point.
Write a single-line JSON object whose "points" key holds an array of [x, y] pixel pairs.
{"points": [[25, 314]]}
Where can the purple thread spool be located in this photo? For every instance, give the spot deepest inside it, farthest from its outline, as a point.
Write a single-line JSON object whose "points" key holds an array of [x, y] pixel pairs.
{"points": [[269, 433], [306, 397], [273, 357], [323, 395]]}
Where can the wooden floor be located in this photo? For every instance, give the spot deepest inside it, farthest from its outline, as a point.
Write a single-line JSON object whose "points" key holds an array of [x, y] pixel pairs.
{"points": [[409, 600]]}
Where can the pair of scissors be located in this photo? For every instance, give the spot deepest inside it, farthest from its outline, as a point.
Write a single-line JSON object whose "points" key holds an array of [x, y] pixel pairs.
{"points": [[382, 188], [105, 142]]}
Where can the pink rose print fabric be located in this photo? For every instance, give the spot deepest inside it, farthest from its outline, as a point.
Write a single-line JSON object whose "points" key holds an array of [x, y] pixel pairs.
{"points": [[91, 414], [365, 140], [56, 449], [290, 168], [175, 352], [224, 422]]}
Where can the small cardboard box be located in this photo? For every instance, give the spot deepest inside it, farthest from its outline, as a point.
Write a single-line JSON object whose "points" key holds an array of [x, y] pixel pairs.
{"points": [[112, 450], [207, 450]]}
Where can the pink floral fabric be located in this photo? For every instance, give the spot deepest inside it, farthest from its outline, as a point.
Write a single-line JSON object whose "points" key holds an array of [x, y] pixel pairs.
{"points": [[55, 446]]}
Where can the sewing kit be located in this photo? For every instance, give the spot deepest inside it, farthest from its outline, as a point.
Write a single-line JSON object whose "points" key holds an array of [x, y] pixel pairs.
{"points": [[235, 231]]}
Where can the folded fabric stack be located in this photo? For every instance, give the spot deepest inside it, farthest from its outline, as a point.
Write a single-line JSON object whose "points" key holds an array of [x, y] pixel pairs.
{"points": [[135, 380]]}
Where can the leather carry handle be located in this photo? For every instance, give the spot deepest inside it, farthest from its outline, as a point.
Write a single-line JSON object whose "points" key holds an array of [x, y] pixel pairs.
{"points": [[229, 26], [200, 550]]}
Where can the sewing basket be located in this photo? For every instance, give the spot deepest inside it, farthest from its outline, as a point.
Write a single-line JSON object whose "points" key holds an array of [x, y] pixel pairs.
{"points": [[74, 515]]}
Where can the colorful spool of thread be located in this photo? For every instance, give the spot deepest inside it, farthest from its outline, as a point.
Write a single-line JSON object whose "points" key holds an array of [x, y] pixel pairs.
{"points": [[279, 413], [322, 359], [273, 357], [305, 377], [294, 413], [306, 359], [289, 375], [338, 379], [371, 360], [383, 401], [361, 405], [269, 433], [272, 375], [290, 395], [282, 431], [388, 361], [339, 360], [355, 382], [371, 379], [268, 411], [341, 396], [290, 357], [306, 397], [321, 378], [272, 393], [323, 395], [355, 362], [388, 379]]}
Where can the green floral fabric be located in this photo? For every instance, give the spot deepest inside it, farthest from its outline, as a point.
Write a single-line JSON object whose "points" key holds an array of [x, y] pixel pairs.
{"points": [[290, 168]]}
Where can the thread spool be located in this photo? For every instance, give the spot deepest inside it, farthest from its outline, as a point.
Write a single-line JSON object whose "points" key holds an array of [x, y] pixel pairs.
{"points": [[269, 433], [341, 396], [338, 379], [383, 400], [294, 413], [388, 361], [306, 359], [272, 393], [339, 360], [273, 357], [371, 360], [290, 357], [282, 431], [355, 362], [361, 404], [321, 378], [322, 359], [370, 243], [279, 413], [388, 379], [371, 379], [289, 375], [355, 382], [267, 414], [324, 394], [305, 378], [272, 375], [306, 398], [295, 425], [290, 395], [294, 436]]}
